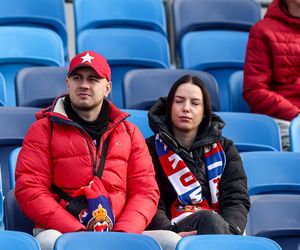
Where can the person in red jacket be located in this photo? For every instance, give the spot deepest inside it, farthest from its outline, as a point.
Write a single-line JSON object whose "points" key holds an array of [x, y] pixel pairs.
{"points": [[272, 66], [82, 149]]}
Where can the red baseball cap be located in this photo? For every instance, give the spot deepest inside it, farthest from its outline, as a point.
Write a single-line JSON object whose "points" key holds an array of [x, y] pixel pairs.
{"points": [[91, 59]]}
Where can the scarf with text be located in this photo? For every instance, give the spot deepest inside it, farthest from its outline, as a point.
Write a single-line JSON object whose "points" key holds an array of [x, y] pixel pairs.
{"points": [[188, 189]]}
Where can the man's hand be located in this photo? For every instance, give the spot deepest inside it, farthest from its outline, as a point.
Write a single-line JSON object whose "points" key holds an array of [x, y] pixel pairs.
{"points": [[183, 234]]}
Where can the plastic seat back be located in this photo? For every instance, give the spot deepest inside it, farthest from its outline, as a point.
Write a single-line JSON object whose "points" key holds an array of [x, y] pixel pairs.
{"points": [[150, 84], [140, 118], [2, 90], [51, 14], [277, 217], [272, 172], [213, 14], [17, 241], [233, 242], [12, 162], [142, 49], [251, 132], [295, 134], [146, 14], [107, 240], [39, 86], [237, 102], [14, 218], [23, 47], [220, 53], [14, 124]]}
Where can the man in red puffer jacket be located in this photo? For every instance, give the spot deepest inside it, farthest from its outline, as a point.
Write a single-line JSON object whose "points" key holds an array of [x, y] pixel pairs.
{"points": [[272, 67], [62, 157]]}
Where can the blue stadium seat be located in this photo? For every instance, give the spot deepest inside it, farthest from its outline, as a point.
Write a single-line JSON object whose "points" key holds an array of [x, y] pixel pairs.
{"points": [[11, 240], [22, 47], [272, 172], [2, 90], [232, 242], [220, 53], [32, 13], [142, 49], [192, 15], [39, 86], [14, 124], [140, 118], [146, 14], [277, 217], [251, 132], [14, 219], [237, 102], [12, 162], [106, 240], [150, 84], [1, 207], [295, 134]]}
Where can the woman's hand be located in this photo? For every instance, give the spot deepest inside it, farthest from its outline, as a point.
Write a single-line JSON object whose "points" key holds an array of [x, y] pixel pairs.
{"points": [[183, 234]]}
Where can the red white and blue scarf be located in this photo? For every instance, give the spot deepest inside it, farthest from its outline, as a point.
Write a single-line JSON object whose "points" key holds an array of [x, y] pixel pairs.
{"points": [[187, 187]]}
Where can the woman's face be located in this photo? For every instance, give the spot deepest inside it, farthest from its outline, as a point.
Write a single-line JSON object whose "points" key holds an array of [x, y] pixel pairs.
{"points": [[187, 108]]}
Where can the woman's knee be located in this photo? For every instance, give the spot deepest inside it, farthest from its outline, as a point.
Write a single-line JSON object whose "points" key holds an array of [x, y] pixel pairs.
{"points": [[167, 239]]}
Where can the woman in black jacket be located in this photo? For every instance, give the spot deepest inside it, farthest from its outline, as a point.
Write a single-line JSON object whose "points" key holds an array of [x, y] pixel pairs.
{"points": [[199, 172]]}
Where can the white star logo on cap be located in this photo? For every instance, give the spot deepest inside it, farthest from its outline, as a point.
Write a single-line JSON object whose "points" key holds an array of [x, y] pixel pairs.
{"points": [[87, 58]]}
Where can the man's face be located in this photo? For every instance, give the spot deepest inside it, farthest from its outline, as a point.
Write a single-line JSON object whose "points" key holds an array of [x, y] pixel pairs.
{"points": [[87, 90]]}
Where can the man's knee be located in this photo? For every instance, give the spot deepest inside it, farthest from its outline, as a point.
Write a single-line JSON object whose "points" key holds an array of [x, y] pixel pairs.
{"points": [[47, 238], [167, 239]]}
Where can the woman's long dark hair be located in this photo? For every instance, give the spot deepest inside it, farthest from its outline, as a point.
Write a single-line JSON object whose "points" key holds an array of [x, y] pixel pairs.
{"points": [[206, 100]]}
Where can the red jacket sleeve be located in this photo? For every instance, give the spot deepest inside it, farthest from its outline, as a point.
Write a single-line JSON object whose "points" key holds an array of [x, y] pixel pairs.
{"points": [[142, 189], [34, 179], [257, 79]]}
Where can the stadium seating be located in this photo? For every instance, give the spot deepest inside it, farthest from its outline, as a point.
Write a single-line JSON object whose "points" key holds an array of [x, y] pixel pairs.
{"points": [[14, 219], [22, 47], [142, 87], [251, 132], [295, 134], [272, 172], [142, 49], [233, 242], [1, 207], [14, 124], [12, 162], [195, 15], [220, 53], [277, 217], [236, 100], [107, 240], [39, 86], [11, 240], [94, 14], [2, 90], [140, 118], [50, 14]]}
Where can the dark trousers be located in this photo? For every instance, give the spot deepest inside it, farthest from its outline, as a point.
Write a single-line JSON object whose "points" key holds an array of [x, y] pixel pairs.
{"points": [[205, 222]]}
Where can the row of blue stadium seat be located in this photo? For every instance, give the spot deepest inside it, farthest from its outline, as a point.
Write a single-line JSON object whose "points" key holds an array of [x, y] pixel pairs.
{"points": [[129, 241], [142, 30]]}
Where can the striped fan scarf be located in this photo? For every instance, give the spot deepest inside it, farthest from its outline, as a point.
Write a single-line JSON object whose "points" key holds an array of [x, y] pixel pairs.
{"points": [[188, 189]]}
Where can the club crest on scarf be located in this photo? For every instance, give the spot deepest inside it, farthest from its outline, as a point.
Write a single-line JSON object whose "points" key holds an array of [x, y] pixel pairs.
{"points": [[98, 216], [188, 189]]}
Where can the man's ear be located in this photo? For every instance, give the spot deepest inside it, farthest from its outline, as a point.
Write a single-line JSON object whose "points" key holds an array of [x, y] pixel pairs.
{"points": [[107, 89], [67, 85]]}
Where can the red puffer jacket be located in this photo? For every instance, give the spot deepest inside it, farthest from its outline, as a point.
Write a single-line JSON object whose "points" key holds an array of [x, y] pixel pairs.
{"points": [[272, 67], [56, 150]]}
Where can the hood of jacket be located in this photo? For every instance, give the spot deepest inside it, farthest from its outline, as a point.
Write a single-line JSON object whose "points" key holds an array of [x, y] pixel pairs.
{"points": [[56, 112], [278, 10], [159, 124]]}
